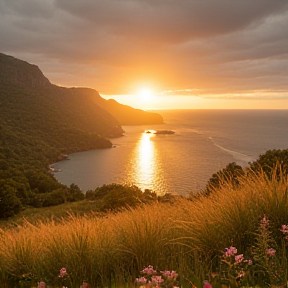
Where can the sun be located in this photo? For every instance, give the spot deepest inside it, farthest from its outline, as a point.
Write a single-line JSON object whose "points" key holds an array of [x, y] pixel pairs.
{"points": [[146, 94]]}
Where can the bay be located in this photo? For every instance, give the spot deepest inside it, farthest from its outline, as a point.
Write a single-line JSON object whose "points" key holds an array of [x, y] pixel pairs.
{"points": [[205, 141]]}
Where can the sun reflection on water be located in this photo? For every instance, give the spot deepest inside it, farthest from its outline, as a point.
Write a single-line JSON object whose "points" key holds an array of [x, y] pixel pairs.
{"points": [[146, 161]]}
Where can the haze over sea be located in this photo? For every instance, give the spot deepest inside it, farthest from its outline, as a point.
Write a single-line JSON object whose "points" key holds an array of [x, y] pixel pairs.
{"points": [[205, 141]]}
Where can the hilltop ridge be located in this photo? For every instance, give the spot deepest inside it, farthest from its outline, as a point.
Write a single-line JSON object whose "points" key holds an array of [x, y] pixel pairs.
{"points": [[19, 72], [126, 115]]}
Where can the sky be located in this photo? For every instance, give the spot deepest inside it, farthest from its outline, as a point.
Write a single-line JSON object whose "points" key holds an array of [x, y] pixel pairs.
{"points": [[162, 54]]}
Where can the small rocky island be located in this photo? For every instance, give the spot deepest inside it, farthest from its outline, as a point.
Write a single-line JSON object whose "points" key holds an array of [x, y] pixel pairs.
{"points": [[164, 132], [160, 132]]}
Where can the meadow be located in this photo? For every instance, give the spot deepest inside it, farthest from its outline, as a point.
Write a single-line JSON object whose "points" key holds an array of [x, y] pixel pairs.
{"points": [[235, 237]]}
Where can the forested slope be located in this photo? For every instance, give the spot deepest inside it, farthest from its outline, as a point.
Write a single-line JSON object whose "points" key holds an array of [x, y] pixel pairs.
{"points": [[39, 122]]}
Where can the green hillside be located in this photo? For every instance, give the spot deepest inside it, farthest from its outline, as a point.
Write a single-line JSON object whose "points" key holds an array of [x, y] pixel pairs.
{"points": [[39, 122]]}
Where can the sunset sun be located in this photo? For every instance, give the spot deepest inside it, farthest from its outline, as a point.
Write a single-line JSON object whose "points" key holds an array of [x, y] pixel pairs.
{"points": [[146, 94]]}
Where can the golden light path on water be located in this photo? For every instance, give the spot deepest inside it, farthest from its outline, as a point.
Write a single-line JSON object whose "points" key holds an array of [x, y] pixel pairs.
{"points": [[146, 160]]}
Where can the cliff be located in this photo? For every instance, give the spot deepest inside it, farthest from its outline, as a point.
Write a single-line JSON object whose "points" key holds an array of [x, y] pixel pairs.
{"points": [[21, 73]]}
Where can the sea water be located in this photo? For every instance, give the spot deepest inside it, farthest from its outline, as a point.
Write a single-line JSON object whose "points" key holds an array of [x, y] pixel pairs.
{"points": [[204, 142]]}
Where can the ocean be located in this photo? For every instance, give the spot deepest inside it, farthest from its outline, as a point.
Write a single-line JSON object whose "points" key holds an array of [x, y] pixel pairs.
{"points": [[204, 142]]}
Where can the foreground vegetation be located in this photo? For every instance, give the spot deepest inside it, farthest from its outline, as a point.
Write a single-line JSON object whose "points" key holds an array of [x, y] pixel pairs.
{"points": [[187, 235]]}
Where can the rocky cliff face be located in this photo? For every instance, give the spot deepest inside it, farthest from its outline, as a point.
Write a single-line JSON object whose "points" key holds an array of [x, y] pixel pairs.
{"points": [[19, 72]]}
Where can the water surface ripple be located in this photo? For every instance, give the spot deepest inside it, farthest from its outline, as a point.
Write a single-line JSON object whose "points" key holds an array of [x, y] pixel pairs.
{"points": [[204, 142]]}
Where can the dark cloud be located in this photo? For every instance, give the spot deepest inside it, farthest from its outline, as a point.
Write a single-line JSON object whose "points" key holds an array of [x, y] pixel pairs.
{"points": [[171, 20], [180, 43]]}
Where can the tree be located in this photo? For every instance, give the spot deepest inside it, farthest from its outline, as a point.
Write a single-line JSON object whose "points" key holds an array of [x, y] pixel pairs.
{"points": [[268, 161], [230, 174], [122, 197], [115, 196], [9, 203], [75, 194]]}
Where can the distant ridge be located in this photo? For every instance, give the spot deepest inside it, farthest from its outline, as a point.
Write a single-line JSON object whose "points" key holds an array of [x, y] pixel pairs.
{"points": [[126, 115]]}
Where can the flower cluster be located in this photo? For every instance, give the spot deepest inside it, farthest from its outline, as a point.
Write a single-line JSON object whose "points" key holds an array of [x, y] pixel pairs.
{"points": [[142, 281], [235, 265], [169, 274], [284, 230], [156, 280], [232, 251], [149, 270], [238, 258], [151, 279], [63, 273], [271, 252]]}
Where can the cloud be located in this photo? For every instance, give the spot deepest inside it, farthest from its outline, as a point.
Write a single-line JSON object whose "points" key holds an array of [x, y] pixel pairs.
{"points": [[223, 45], [181, 92], [171, 20]]}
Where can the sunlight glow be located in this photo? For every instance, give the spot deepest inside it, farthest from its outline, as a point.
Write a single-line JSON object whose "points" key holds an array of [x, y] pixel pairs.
{"points": [[158, 102], [146, 160], [146, 94]]}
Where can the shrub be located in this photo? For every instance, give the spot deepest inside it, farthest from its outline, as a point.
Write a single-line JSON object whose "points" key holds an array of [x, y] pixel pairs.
{"points": [[268, 161], [122, 197], [230, 174], [9, 203]]}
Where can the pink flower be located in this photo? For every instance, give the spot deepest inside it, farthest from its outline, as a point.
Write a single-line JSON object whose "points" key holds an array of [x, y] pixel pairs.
{"points": [[207, 285], [149, 270], [141, 280], [271, 252], [284, 229], [230, 251], [41, 284], [239, 258], [63, 272], [169, 274], [157, 280], [249, 261]]}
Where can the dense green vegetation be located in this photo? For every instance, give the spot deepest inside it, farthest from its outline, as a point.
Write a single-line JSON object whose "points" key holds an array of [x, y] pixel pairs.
{"points": [[39, 123], [233, 172]]}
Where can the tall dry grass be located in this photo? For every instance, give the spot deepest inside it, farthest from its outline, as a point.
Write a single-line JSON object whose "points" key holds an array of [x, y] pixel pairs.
{"points": [[110, 251], [230, 215]]}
